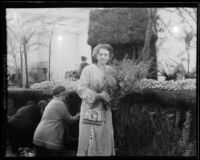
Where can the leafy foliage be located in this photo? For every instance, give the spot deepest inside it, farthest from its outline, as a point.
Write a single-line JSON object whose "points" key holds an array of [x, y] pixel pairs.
{"points": [[127, 73], [147, 122]]}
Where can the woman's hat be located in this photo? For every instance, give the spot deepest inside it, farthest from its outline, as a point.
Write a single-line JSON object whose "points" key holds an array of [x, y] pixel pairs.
{"points": [[58, 90]]}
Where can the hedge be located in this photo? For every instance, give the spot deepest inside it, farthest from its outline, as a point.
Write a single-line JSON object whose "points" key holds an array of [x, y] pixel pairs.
{"points": [[123, 28], [180, 99], [148, 122], [145, 123], [117, 25], [20, 96]]}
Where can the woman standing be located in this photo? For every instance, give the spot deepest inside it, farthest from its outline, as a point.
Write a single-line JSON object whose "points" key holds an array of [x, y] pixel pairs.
{"points": [[96, 136]]}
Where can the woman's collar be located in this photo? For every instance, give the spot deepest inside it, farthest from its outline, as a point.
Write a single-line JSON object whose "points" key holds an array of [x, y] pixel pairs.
{"points": [[102, 67], [56, 98]]}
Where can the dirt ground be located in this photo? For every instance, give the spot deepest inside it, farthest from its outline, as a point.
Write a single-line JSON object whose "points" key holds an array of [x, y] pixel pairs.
{"points": [[9, 153]]}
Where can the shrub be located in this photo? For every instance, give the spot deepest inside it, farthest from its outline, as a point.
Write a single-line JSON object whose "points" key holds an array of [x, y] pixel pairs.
{"points": [[185, 146], [148, 119], [20, 96], [131, 77], [126, 74], [47, 86]]}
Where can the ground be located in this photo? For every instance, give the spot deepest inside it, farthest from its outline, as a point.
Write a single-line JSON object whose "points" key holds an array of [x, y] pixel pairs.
{"points": [[9, 153]]}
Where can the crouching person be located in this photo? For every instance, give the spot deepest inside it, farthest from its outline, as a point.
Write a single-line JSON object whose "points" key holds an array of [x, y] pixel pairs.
{"points": [[21, 126], [49, 134]]}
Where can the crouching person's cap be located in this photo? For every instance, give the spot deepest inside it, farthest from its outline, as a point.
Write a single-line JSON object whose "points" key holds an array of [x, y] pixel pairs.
{"points": [[58, 89]]}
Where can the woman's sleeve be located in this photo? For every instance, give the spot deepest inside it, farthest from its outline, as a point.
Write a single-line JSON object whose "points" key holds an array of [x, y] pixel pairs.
{"points": [[84, 91]]}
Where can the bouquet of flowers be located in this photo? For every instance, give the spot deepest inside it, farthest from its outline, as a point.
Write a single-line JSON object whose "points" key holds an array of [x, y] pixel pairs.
{"points": [[110, 86], [122, 80]]}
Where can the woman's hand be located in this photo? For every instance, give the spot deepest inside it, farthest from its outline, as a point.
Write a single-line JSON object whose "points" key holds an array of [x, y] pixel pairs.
{"points": [[110, 80], [90, 97], [104, 95]]}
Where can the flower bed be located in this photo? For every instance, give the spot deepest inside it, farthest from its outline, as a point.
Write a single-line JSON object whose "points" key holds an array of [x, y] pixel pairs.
{"points": [[186, 84]]}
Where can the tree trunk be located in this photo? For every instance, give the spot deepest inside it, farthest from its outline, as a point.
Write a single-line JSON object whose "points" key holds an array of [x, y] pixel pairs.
{"points": [[26, 65], [50, 44], [149, 32], [21, 65], [188, 59], [18, 76]]}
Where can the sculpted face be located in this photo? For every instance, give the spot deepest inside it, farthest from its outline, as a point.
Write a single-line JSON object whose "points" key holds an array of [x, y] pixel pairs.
{"points": [[103, 56]]}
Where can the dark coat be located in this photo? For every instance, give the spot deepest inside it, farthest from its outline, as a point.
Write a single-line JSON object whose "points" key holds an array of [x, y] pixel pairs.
{"points": [[26, 118]]}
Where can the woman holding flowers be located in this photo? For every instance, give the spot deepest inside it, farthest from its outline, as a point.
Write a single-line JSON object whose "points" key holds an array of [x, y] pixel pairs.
{"points": [[96, 137]]}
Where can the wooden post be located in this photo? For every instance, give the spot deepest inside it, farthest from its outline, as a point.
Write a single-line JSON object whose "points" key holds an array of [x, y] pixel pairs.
{"points": [[26, 66]]}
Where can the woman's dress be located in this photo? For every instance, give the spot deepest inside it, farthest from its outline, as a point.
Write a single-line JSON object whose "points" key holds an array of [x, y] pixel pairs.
{"points": [[94, 140]]}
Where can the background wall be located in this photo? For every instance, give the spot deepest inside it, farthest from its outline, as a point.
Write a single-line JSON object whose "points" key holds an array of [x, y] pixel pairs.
{"points": [[171, 45], [66, 51]]}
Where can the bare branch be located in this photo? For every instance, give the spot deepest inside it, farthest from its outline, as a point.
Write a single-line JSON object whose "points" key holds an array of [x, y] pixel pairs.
{"points": [[195, 12], [13, 53], [157, 69], [167, 9], [174, 61], [21, 27], [149, 33], [161, 67], [15, 35], [184, 19], [169, 65], [55, 20], [37, 44], [35, 18], [188, 12], [31, 34]]}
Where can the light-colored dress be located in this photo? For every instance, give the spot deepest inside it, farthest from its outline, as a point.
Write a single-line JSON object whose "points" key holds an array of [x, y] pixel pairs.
{"points": [[94, 140]]}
